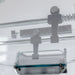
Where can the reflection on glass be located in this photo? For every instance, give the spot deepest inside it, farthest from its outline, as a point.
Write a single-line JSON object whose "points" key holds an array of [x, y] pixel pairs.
{"points": [[2, 58], [3, 49]]}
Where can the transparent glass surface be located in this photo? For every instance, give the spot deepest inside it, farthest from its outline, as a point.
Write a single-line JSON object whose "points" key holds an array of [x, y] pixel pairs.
{"points": [[21, 10]]}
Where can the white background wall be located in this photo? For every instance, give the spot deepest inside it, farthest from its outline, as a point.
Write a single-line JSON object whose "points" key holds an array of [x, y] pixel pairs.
{"points": [[16, 10]]}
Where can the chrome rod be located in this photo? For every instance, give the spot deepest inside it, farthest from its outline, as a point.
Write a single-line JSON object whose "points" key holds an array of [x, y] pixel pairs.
{"points": [[34, 21], [25, 41], [23, 23]]}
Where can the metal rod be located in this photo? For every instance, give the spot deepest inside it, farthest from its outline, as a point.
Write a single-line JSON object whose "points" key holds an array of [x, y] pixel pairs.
{"points": [[12, 42], [34, 21], [23, 23]]}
